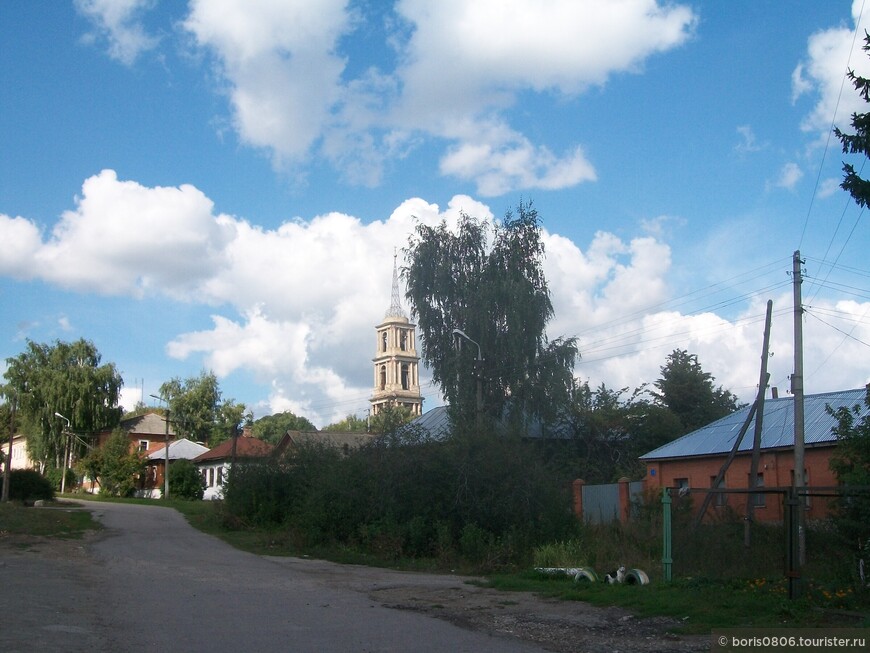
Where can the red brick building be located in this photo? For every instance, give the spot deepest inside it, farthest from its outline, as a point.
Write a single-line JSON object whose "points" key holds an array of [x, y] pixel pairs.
{"points": [[694, 460]]}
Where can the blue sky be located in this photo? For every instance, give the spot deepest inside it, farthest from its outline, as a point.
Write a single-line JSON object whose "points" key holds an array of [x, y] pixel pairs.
{"points": [[221, 185]]}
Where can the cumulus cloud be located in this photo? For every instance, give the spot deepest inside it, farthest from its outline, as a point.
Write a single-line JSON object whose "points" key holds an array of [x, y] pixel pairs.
{"points": [[118, 22], [830, 54], [124, 238], [295, 307], [457, 69]]}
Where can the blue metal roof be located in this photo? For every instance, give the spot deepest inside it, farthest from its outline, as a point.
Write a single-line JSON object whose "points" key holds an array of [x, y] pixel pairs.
{"points": [[435, 423], [778, 426]]}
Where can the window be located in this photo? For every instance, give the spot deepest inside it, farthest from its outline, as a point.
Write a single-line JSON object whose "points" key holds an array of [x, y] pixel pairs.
{"points": [[404, 376], [143, 446], [383, 341], [403, 341], [220, 476], [383, 376]]}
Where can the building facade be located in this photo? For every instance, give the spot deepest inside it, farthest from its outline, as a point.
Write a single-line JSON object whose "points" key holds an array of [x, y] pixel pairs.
{"points": [[396, 363]]}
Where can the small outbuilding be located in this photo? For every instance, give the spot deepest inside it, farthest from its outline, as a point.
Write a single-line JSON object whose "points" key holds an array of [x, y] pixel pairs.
{"points": [[694, 460], [214, 464]]}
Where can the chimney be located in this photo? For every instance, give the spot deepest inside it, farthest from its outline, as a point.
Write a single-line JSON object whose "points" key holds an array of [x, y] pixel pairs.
{"points": [[774, 391]]}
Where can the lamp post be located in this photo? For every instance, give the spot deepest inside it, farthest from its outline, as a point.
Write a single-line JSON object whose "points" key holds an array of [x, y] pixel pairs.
{"points": [[66, 433], [166, 450], [478, 372]]}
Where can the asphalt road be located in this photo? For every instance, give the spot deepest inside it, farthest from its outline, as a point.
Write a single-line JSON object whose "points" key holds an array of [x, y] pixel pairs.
{"points": [[151, 583]]}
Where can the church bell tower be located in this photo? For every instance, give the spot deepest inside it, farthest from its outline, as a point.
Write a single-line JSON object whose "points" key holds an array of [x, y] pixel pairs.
{"points": [[397, 381]]}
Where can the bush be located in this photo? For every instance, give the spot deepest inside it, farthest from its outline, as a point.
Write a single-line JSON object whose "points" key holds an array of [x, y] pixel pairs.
{"points": [[185, 481], [29, 485]]}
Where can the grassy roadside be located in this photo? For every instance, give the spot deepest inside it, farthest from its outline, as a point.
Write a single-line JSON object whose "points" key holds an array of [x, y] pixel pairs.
{"points": [[700, 605], [57, 519]]}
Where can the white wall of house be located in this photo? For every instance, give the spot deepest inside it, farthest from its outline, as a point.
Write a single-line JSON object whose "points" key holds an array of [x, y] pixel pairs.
{"points": [[214, 473]]}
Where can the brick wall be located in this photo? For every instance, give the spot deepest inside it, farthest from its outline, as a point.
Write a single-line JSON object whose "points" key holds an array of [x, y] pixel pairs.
{"points": [[775, 467]]}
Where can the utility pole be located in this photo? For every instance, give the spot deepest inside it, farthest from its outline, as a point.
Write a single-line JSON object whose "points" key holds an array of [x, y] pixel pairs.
{"points": [[797, 390], [759, 422], [166, 448]]}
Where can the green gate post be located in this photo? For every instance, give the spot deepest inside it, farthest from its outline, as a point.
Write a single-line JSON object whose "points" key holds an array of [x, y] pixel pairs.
{"points": [[667, 561]]}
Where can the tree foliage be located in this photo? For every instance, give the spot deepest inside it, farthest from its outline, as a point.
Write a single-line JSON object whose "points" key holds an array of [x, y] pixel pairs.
{"points": [[688, 392], [185, 480], [851, 464], [272, 428], [66, 378], [607, 430], [350, 424], [198, 411], [859, 141], [496, 293], [113, 465]]}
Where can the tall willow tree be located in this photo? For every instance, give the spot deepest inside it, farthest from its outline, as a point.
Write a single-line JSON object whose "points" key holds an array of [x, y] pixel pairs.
{"points": [[66, 378], [488, 282]]}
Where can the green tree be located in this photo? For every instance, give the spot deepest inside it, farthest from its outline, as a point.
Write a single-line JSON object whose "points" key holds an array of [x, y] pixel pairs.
{"points": [[389, 419], [272, 428], [350, 424], [185, 480], [66, 378], [113, 465], [859, 142], [498, 296], [851, 463], [198, 411], [687, 391]]}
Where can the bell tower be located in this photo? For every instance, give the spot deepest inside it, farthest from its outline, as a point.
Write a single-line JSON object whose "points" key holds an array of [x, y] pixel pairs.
{"points": [[397, 381]]}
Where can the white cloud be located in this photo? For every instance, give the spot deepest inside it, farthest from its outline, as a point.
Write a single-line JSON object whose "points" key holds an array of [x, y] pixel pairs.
{"points": [[297, 305], [748, 142], [118, 22], [830, 53], [789, 176], [21, 240], [124, 238], [458, 68], [509, 160]]}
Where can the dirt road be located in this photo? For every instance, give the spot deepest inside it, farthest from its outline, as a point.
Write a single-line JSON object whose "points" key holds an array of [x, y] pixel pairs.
{"points": [[151, 582]]}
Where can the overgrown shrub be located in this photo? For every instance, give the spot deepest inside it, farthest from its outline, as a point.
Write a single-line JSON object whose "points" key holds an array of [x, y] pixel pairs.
{"points": [[486, 499], [29, 485], [185, 481]]}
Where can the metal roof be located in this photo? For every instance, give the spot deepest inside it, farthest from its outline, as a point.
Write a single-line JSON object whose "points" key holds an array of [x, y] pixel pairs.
{"points": [[778, 426], [178, 449], [435, 423]]}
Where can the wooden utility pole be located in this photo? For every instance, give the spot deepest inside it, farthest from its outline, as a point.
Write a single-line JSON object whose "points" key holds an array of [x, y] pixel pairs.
{"points": [[759, 422], [797, 390]]}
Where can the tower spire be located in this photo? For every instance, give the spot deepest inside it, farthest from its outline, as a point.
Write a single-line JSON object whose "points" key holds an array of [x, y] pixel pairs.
{"points": [[395, 309]]}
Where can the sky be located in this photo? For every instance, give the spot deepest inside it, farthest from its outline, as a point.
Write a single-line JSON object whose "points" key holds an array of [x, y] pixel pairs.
{"points": [[222, 184]]}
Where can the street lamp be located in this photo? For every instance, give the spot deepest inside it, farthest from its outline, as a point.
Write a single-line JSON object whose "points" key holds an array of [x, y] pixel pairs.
{"points": [[166, 450], [478, 373], [65, 451]]}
